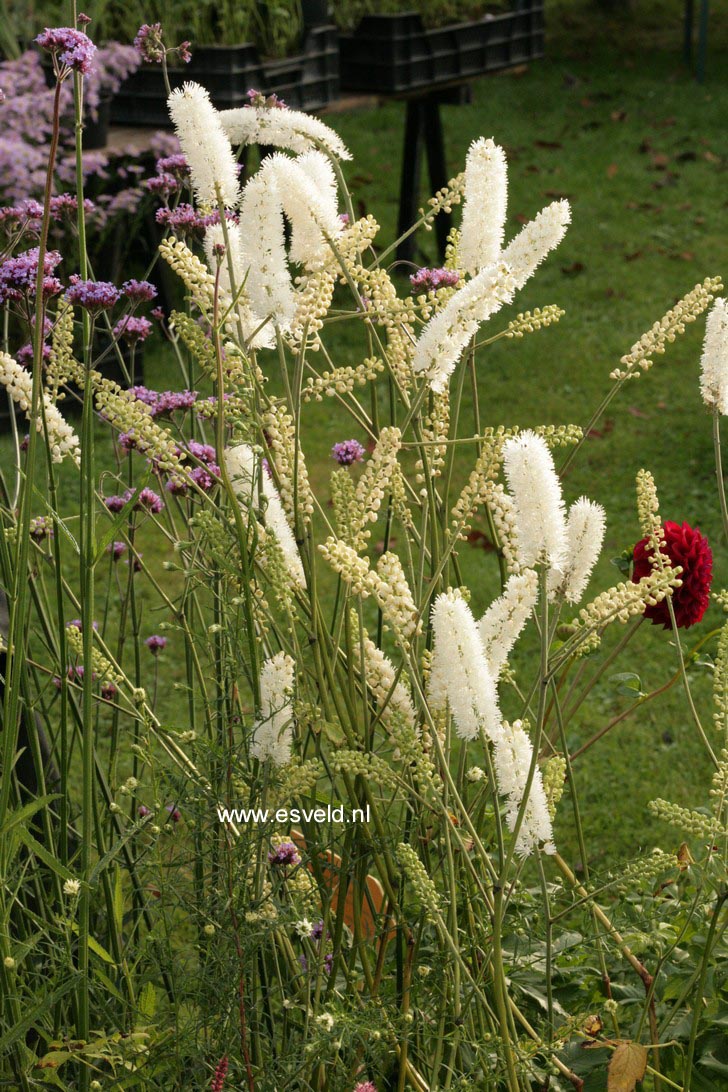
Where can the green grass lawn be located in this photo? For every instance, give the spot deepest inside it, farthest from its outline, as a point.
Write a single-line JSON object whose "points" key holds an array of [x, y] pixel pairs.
{"points": [[615, 122]]}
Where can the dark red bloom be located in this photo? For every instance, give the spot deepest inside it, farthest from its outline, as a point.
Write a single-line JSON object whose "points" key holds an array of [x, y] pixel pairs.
{"points": [[685, 546]]}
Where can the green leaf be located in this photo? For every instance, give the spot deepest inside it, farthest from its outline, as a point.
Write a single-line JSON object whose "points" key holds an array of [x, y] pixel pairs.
{"points": [[40, 851], [22, 815], [118, 900], [148, 1001], [35, 1016]]}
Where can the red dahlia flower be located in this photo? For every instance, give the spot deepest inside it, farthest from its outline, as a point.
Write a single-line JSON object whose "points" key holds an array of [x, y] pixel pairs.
{"points": [[685, 546]]}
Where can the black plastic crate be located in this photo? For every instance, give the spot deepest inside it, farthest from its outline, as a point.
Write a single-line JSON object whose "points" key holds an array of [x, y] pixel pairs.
{"points": [[395, 54], [307, 81]]}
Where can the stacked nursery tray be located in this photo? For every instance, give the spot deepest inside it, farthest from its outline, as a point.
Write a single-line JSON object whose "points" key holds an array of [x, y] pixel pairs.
{"points": [[396, 54], [307, 81]]}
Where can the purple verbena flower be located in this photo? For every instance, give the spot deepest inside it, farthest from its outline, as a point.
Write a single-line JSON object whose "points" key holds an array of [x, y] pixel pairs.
{"points": [[18, 275], [173, 164], [204, 452], [163, 185], [347, 452], [429, 280], [78, 624], [143, 811], [285, 855], [155, 643], [328, 962], [257, 98], [108, 691], [148, 42], [318, 931], [138, 291], [132, 328], [174, 813], [116, 549], [72, 47], [150, 500], [92, 295], [115, 503]]}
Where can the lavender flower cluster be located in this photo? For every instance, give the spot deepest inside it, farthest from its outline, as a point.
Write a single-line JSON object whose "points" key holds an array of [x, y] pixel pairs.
{"points": [[429, 280]]}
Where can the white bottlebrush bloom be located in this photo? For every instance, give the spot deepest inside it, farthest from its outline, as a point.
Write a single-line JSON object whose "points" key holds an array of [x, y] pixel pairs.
{"points": [[380, 677], [289, 129], [250, 323], [540, 515], [512, 757], [242, 466], [274, 728], [444, 337], [585, 527], [484, 210], [282, 186], [460, 675], [18, 382], [502, 623], [205, 145], [535, 240], [310, 201], [714, 361], [262, 231]]}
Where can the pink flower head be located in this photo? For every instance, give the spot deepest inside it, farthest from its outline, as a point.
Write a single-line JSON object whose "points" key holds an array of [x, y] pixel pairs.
{"points": [[347, 452], [429, 280], [155, 643], [138, 291], [94, 296], [285, 855], [148, 42], [132, 328], [72, 48]]}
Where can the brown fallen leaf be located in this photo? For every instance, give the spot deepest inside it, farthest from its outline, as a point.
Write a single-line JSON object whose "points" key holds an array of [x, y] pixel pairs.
{"points": [[618, 115], [686, 256], [586, 103], [612, 169], [660, 161], [633, 256], [711, 157], [520, 218], [645, 147], [573, 270], [636, 412], [626, 1066], [600, 433], [477, 538], [379, 547], [557, 195], [550, 145]]}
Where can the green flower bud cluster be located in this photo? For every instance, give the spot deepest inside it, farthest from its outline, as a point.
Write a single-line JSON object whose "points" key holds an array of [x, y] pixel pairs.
{"points": [[720, 683], [527, 322], [367, 765], [645, 870], [686, 820], [423, 888], [653, 343], [102, 667], [342, 380], [554, 772]]}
